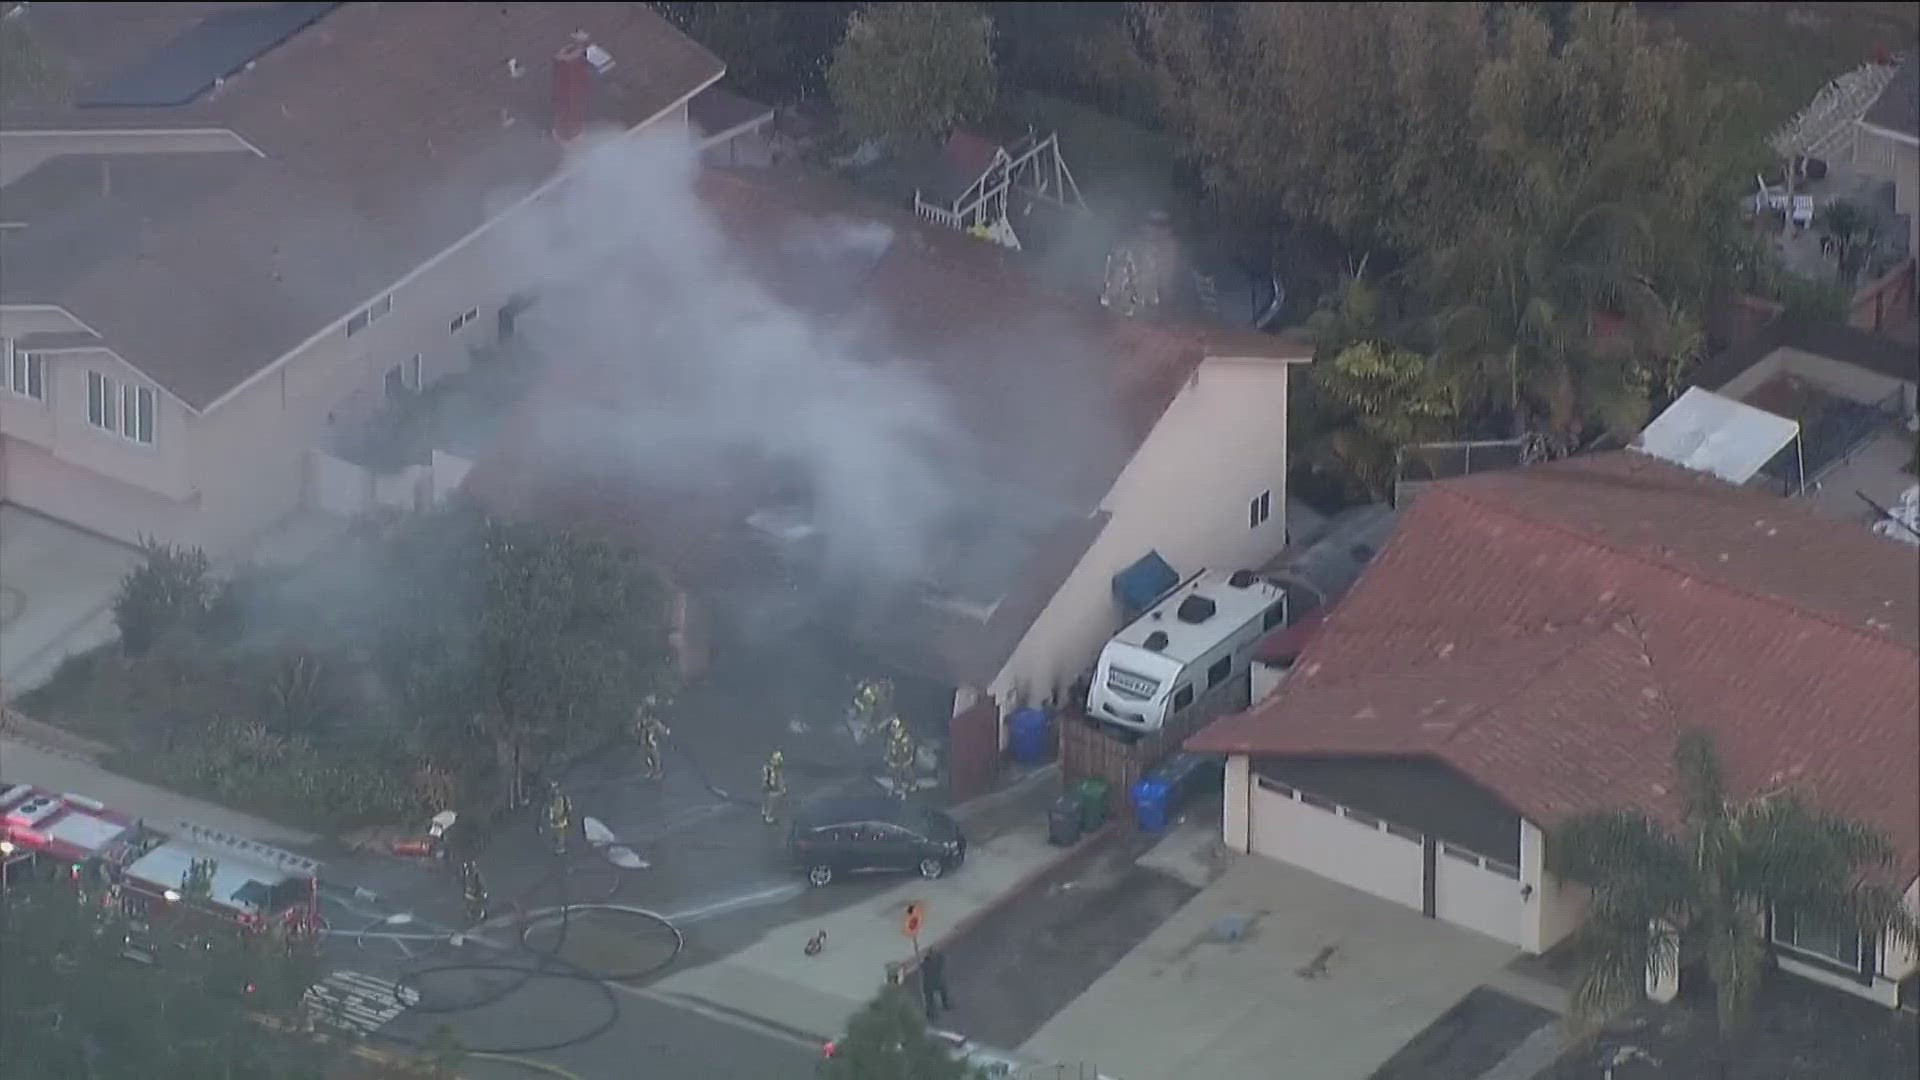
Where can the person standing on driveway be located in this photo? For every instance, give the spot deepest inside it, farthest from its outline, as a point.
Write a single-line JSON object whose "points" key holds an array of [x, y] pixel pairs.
{"points": [[933, 982]]}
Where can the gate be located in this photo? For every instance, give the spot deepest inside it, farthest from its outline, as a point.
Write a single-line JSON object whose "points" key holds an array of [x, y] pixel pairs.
{"points": [[973, 750]]}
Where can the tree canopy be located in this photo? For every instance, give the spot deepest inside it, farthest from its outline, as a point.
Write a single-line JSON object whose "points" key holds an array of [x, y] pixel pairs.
{"points": [[912, 72], [1665, 896], [767, 46], [73, 1007], [535, 642], [888, 1040], [1548, 182]]}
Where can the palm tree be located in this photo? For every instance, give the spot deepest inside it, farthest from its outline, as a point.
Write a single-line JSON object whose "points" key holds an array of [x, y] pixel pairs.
{"points": [[1704, 890], [1522, 301]]}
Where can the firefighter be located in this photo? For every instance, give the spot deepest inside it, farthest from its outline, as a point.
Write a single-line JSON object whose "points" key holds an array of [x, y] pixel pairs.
{"points": [[649, 729], [475, 890], [773, 787], [899, 758], [871, 700], [559, 816]]}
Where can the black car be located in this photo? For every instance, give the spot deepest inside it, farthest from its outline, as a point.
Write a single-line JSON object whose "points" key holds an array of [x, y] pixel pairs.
{"points": [[858, 833]]}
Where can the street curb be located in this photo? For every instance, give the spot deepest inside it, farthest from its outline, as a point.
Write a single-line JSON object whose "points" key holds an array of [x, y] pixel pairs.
{"points": [[1078, 853]]}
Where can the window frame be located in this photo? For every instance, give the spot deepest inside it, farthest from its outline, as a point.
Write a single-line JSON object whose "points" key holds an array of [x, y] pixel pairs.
{"points": [[1175, 704], [103, 411], [1274, 617], [1220, 671], [24, 370], [123, 407], [1260, 509], [1785, 930]]}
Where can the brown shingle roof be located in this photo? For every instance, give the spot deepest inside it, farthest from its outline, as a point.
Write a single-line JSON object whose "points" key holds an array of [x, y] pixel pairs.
{"points": [[1010, 356], [1548, 631], [390, 132]]}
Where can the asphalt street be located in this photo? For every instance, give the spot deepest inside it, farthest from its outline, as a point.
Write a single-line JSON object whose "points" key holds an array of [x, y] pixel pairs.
{"points": [[715, 872]]}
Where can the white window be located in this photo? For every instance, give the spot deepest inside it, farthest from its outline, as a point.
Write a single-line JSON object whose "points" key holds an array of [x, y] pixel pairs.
{"points": [[102, 407], [1259, 509], [463, 320], [122, 408], [136, 413], [25, 372], [1827, 939]]}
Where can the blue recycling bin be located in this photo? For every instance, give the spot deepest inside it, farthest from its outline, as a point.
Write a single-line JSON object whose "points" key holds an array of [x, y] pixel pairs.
{"points": [[1027, 736], [1150, 804]]}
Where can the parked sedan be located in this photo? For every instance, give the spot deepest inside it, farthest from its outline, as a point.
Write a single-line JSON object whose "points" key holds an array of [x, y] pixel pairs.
{"points": [[859, 834]]}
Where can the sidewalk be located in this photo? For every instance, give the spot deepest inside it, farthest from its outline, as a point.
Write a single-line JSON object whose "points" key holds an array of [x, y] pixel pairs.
{"points": [[22, 763], [775, 981]]}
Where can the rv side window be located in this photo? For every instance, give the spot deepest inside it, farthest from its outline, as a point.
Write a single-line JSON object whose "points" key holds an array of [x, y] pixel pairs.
{"points": [[1182, 698], [1275, 615], [1218, 673]]}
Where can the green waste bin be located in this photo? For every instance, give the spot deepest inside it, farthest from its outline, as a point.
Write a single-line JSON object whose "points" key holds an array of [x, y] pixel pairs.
{"points": [[1092, 793]]}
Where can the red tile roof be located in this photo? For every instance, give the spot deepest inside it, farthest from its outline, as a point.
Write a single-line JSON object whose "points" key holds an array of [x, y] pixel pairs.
{"points": [[1547, 631]]}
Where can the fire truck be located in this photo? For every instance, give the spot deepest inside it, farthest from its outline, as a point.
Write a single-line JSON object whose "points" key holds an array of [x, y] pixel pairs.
{"points": [[120, 860]]}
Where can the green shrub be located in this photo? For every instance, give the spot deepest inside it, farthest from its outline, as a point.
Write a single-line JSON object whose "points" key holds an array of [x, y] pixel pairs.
{"points": [[169, 588]]}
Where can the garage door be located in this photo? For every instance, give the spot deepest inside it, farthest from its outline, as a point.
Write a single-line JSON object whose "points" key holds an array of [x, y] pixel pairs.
{"points": [[1388, 860], [1479, 893], [1336, 842]]}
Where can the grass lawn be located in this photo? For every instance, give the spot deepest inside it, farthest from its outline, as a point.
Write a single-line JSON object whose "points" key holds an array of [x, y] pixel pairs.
{"points": [[1788, 51]]}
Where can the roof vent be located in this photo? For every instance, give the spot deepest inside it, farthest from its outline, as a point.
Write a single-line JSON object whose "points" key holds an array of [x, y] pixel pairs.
{"points": [[1241, 579], [1195, 609], [1157, 640]]}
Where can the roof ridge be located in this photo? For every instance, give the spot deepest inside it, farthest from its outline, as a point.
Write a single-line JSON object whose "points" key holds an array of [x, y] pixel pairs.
{"points": [[1514, 513], [1579, 641]]}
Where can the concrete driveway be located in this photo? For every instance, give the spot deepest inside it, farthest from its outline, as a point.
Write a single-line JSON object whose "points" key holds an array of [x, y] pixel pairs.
{"points": [[1326, 982], [56, 588]]}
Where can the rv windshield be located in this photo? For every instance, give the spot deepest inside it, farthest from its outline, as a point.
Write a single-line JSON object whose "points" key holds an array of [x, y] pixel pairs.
{"points": [[1131, 685]]}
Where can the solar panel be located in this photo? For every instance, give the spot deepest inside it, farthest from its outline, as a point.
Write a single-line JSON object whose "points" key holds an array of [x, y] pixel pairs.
{"points": [[211, 49]]}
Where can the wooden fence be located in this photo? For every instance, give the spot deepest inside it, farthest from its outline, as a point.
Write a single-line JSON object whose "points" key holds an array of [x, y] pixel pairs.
{"points": [[1087, 750]]}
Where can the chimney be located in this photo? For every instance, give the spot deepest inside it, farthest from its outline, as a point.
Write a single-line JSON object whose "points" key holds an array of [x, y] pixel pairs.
{"points": [[571, 76]]}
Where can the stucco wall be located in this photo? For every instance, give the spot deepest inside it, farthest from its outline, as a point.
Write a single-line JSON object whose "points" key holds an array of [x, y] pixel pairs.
{"points": [[1555, 908], [1236, 806], [1220, 444], [250, 454], [59, 463]]}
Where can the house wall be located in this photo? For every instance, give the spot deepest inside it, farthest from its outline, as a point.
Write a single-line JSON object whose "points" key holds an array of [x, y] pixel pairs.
{"points": [[1898, 160], [1555, 908], [1238, 803], [250, 455], [218, 478], [57, 462], [1221, 443]]}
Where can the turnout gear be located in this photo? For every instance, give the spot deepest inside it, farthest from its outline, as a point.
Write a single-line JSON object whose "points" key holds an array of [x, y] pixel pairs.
{"points": [[872, 699], [900, 761], [651, 730], [559, 817], [773, 787], [475, 891]]}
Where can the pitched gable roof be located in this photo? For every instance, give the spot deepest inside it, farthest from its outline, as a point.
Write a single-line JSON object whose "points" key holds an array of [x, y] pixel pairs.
{"points": [[1548, 632], [387, 133], [1009, 357]]}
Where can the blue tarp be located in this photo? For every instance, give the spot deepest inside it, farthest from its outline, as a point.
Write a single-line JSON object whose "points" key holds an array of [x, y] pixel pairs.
{"points": [[1139, 585]]}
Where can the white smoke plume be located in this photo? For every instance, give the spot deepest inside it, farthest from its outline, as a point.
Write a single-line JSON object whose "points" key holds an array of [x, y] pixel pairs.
{"points": [[640, 285]]}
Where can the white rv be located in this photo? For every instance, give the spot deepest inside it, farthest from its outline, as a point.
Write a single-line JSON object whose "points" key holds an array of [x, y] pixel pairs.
{"points": [[1187, 657]]}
